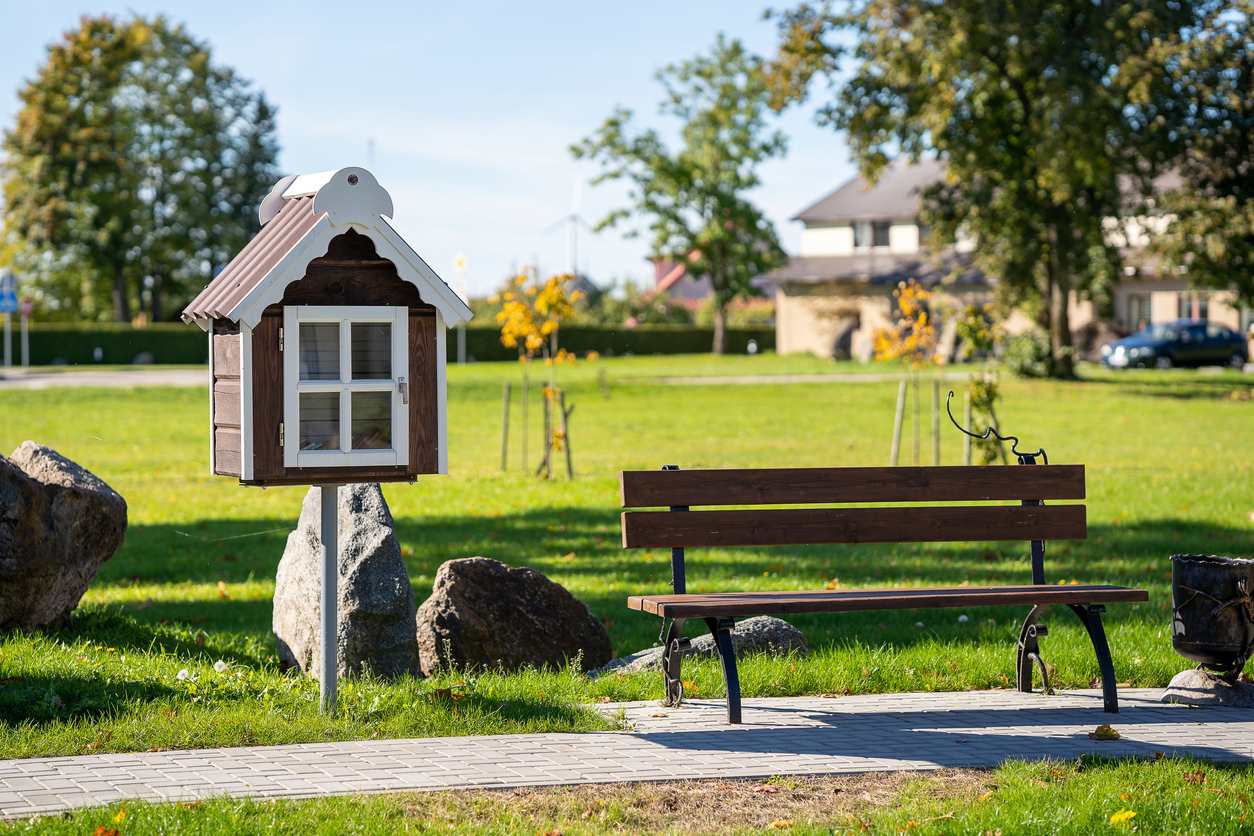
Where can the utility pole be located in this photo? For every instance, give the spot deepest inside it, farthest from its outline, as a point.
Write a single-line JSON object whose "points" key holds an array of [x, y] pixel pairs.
{"points": [[459, 264]]}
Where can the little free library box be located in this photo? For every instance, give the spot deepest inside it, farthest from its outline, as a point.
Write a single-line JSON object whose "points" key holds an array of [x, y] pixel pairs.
{"points": [[327, 343]]}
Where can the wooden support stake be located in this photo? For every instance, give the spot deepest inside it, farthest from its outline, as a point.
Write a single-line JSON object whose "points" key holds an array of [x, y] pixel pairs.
{"points": [[915, 423], [526, 390], [966, 422], [936, 422], [505, 426], [570, 468], [901, 411]]}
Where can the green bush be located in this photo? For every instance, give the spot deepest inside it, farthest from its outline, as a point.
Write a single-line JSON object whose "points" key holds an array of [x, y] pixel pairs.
{"points": [[119, 344], [485, 343], [1028, 355]]}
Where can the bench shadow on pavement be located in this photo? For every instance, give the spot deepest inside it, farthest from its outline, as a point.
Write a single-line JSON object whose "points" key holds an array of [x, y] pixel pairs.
{"points": [[957, 737]]}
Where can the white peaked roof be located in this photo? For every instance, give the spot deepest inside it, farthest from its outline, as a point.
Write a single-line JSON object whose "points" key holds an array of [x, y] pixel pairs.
{"points": [[299, 217]]}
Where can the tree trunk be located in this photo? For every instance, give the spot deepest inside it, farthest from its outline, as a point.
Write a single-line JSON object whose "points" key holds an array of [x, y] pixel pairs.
{"points": [[121, 304], [720, 328], [1060, 345], [155, 304]]}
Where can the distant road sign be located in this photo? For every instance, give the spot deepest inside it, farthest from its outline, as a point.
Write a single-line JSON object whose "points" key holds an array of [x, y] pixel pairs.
{"points": [[26, 307], [8, 302]]}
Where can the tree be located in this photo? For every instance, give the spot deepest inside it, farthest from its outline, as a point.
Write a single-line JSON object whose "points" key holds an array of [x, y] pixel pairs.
{"points": [[1211, 216], [1041, 112], [695, 196], [135, 167]]}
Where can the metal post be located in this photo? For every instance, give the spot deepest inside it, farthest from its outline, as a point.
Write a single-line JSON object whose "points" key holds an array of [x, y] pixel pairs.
{"points": [[901, 411], [25, 342], [330, 598], [8, 341], [505, 426], [936, 422], [966, 422]]}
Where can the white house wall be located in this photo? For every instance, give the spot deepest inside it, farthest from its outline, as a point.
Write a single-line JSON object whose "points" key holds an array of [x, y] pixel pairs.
{"points": [[827, 240]]}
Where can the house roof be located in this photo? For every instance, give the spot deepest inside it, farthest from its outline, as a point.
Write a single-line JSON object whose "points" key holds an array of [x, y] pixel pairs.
{"points": [[895, 196], [299, 218], [872, 268]]}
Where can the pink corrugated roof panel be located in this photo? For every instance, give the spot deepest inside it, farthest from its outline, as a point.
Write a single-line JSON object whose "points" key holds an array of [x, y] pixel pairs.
{"points": [[253, 263]]}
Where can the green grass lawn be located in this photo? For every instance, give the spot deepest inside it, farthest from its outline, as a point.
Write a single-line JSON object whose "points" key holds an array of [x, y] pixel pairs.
{"points": [[1168, 460], [1073, 798]]}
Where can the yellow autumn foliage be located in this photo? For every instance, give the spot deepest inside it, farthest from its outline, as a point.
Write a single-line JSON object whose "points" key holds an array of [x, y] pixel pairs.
{"points": [[913, 339]]}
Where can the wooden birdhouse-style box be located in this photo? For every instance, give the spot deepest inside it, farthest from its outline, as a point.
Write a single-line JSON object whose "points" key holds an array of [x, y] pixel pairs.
{"points": [[327, 343]]}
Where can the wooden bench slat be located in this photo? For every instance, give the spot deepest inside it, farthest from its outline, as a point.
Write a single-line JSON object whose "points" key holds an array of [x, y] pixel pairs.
{"points": [[809, 485], [810, 526], [704, 605]]}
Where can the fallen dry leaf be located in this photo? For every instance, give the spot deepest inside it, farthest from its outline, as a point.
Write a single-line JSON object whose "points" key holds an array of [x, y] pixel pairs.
{"points": [[603, 699], [145, 604], [1104, 732], [657, 715], [587, 814], [986, 796], [765, 788], [779, 824], [827, 696], [1198, 777], [105, 831]]}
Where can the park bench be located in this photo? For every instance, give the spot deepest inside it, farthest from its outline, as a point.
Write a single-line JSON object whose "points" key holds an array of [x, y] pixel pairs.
{"points": [[1032, 521]]}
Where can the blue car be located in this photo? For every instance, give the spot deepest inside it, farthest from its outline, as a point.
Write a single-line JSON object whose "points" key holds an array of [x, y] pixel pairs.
{"points": [[1185, 342]]}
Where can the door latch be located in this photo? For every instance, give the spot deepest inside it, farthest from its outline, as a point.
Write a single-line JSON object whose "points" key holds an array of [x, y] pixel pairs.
{"points": [[404, 390]]}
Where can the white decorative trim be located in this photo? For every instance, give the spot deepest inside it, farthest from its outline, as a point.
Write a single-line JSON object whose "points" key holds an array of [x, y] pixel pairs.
{"points": [[388, 244], [246, 423], [352, 195], [293, 315], [441, 393]]}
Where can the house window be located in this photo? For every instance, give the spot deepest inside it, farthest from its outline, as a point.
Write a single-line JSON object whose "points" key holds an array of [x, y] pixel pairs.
{"points": [[1139, 312], [1194, 306], [345, 393], [870, 233]]}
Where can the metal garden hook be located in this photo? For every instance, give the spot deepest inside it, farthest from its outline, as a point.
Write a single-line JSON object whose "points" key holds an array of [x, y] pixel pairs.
{"points": [[1014, 442]]}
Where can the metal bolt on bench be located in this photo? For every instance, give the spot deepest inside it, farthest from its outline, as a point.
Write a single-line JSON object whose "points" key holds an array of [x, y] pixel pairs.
{"points": [[1031, 521]]}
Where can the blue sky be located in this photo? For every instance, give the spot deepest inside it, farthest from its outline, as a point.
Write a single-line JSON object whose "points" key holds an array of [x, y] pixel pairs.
{"points": [[471, 107]]}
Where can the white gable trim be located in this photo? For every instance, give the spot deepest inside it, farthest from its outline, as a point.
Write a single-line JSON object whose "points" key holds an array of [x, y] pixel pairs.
{"points": [[389, 245]]}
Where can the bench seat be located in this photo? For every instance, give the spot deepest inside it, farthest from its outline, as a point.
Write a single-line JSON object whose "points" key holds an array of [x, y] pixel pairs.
{"points": [[930, 517], [736, 604]]}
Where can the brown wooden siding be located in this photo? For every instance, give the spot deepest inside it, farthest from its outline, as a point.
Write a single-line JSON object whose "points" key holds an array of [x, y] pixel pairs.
{"points": [[267, 397], [424, 402], [227, 435]]}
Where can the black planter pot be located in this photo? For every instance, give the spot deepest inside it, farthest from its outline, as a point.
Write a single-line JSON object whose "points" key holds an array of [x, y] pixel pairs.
{"points": [[1212, 614]]}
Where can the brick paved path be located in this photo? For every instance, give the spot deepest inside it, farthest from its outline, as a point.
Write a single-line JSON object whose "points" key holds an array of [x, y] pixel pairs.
{"points": [[800, 735]]}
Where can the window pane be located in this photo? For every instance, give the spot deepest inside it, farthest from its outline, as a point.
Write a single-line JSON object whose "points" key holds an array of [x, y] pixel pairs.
{"points": [[372, 350], [319, 351], [319, 420], [372, 420], [880, 238]]}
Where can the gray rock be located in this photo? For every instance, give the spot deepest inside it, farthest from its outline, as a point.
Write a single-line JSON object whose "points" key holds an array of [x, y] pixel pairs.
{"points": [[761, 634], [376, 600], [58, 523], [1199, 687], [489, 615]]}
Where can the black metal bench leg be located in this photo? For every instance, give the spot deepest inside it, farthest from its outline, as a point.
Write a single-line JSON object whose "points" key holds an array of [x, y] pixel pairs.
{"points": [[721, 630], [673, 647], [1030, 652], [1090, 616]]}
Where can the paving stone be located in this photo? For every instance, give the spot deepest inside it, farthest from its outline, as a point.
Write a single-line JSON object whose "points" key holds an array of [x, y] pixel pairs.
{"points": [[801, 735]]}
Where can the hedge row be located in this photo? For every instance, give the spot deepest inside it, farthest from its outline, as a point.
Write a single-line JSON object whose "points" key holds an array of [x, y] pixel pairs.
{"points": [[177, 343]]}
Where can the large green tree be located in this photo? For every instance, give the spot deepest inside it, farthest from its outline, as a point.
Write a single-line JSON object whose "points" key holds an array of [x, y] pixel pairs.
{"points": [[694, 197], [134, 169], [1210, 233], [1049, 116]]}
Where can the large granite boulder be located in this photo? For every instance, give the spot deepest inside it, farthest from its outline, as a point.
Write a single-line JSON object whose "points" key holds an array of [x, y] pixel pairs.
{"points": [[484, 614], [58, 523], [376, 600], [761, 634], [1200, 687]]}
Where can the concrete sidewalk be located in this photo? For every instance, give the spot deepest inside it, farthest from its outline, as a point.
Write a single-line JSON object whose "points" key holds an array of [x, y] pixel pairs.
{"points": [[113, 379], [798, 736]]}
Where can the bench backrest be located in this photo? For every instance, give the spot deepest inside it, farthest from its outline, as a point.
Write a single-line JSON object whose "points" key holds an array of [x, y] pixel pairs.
{"points": [[679, 490]]}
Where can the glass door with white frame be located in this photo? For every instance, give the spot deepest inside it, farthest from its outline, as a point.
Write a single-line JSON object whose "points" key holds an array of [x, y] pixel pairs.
{"points": [[345, 373]]}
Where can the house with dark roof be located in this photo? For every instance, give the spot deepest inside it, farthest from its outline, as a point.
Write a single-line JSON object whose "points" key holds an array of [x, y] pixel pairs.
{"points": [[862, 240], [859, 243]]}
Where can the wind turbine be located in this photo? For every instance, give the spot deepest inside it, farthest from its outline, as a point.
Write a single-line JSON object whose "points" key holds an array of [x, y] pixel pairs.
{"points": [[572, 221]]}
